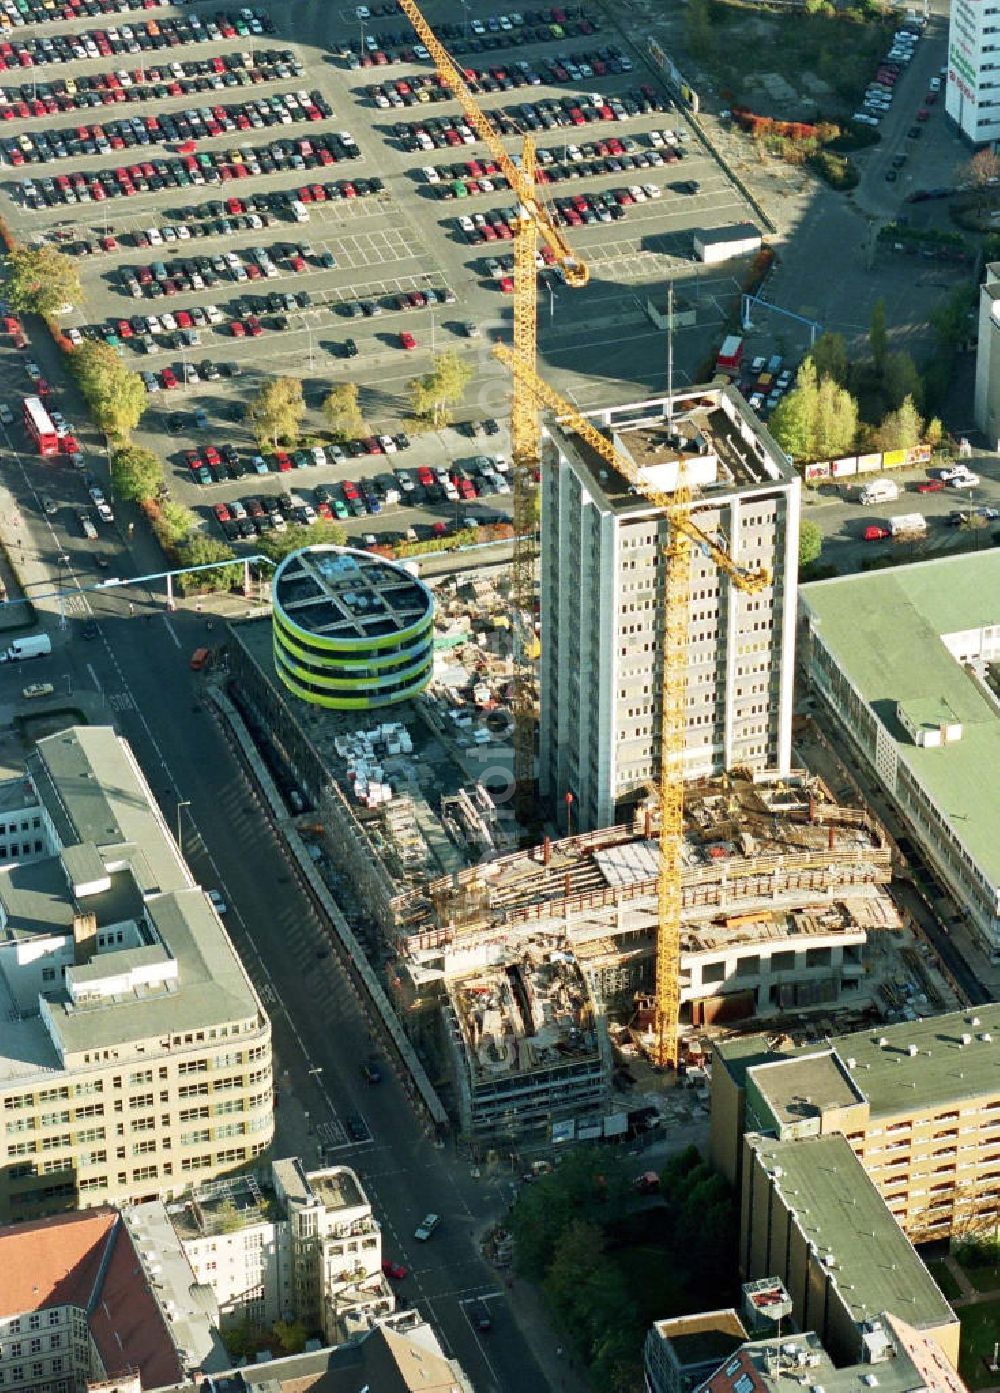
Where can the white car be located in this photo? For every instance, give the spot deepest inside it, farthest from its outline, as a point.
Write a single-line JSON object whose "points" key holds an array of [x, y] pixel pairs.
{"points": [[155, 236], [75, 337], [431, 174], [388, 444], [217, 902], [965, 480], [426, 1227], [652, 191], [168, 321], [318, 454], [952, 471], [935, 84]]}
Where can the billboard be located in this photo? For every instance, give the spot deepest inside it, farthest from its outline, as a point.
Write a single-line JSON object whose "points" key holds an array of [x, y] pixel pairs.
{"points": [[843, 468], [817, 471], [869, 464]]}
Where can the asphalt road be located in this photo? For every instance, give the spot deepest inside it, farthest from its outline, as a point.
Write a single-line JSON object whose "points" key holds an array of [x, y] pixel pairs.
{"points": [[140, 666]]}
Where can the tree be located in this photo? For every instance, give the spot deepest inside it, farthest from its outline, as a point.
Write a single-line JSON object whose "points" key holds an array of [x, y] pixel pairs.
{"points": [[116, 395], [199, 550], [136, 473], [836, 423], [42, 280], [951, 319], [900, 379], [829, 354], [342, 412], [699, 36], [817, 418], [981, 172], [174, 522], [900, 429], [590, 1185], [878, 337], [442, 387], [793, 421], [810, 543], [278, 545], [933, 432], [275, 413]]}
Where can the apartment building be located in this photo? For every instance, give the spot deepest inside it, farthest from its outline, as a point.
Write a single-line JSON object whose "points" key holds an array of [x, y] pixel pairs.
{"points": [[987, 397], [918, 1102], [896, 1358], [135, 1058], [972, 98], [603, 598], [72, 1314], [811, 1216], [296, 1245], [900, 660]]}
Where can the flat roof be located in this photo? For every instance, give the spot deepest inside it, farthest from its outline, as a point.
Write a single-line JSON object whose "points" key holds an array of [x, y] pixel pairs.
{"points": [[837, 1208], [943, 1069], [884, 628], [92, 789], [806, 1086], [708, 1335], [338, 593]]}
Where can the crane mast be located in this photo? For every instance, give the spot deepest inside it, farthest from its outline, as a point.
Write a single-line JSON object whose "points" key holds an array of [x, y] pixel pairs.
{"points": [[533, 221], [683, 533]]}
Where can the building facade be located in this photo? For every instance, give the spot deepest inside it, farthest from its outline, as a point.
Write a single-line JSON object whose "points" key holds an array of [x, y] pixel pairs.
{"points": [[602, 602], [303, 1247], [987, 399], [352, 631], [917, 1101], [973, 91], [900, 660], [136, 1056]]}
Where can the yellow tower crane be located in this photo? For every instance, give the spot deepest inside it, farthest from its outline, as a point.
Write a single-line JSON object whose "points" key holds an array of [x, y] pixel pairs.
{"points": [[682, 534], [534, 220]]}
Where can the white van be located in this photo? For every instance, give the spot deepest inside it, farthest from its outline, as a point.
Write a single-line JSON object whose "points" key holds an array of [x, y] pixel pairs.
{"points": [[879, 491], [299, 211]]}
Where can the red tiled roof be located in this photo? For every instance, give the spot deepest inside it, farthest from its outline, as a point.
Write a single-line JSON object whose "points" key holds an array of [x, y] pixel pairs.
{"points": [[53, 1262], [58, 1261]]}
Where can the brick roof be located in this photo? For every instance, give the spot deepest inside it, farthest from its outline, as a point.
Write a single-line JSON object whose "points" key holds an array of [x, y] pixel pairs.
{"points": [[88, 1260]]}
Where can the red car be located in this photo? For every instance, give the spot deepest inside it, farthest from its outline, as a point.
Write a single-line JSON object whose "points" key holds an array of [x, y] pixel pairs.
{"points": [[211, 456], [221, 512], [283, 461], [930, 486], [407, 341], [875, 534], [395, 1270], [237, 330], [168, 378]]}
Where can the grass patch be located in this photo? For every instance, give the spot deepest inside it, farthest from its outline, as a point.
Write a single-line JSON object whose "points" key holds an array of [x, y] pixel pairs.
{"points": [[981, 1264], [841, 50], [980, 1329], [945, 1279]]}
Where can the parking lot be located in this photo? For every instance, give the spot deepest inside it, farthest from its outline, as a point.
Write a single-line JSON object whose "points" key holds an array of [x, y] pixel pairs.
{"points": [[265, 191]]}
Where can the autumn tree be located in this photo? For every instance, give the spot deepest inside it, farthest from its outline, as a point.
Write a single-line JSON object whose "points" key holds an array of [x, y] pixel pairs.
{"points": [[900, 429], [810, 542], [275, 412], [829, 353], [116, 395], [342, 411], [817, 419], [136, 473], [433, 394], [41, 280]]}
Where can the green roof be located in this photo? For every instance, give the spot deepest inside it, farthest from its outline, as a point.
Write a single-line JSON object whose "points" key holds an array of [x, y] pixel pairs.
{"points": [[884, 630], [741, 1053], [872, 1262]]}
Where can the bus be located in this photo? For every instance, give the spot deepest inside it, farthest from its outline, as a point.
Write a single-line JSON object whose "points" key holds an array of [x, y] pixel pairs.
{"points": [[38, 424]]}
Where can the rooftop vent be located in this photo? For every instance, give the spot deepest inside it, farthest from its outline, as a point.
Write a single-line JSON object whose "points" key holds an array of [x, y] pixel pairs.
{"points": [[852, 1063], [966, 1039], [912, 1050]]}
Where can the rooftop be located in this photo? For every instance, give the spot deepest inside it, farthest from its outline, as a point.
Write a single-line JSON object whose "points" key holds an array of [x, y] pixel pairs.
{"points": [[87, 1260], [796, 1361], [342, 595], [336, 1188], [722, 444], [806, 1086], [697, 1339], [838, 1209], [885, 629]]}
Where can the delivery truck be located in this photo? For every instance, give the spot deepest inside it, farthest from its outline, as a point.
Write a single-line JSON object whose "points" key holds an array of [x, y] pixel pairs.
{"points": [[879, 491], [35, 646]]}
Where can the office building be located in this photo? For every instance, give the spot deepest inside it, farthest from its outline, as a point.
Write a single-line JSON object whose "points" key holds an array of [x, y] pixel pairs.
{"points": [[972, 96], [135, 1058], [918, 1101], [602, 601], [900, 659], [352, 631], [987, 398], [810, 1215]]}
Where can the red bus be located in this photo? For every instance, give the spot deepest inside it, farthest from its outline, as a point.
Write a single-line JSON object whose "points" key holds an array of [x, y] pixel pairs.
{"points": [[38, 424]]}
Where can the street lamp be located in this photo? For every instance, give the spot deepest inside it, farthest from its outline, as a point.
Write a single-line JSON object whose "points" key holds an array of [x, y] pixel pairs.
{"points": [[181, 803], [308, 328]]}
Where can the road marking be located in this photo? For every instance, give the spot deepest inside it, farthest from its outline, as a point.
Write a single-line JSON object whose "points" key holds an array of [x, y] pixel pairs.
{"points": [[94, 678], [122, 701], [170, 631]]}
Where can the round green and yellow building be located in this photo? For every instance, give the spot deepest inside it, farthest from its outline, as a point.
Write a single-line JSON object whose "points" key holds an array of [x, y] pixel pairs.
{"points": [[351, 631]]}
